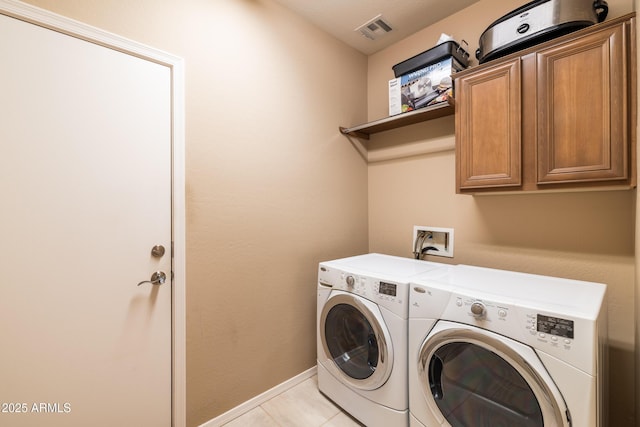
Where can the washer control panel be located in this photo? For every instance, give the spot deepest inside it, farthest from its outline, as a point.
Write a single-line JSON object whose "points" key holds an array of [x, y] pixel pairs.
{"points": [[552, 328], [370, 287], [539, 329], [557, 318], [355, 284], [478, 309], [388, 289], [387, 293]]}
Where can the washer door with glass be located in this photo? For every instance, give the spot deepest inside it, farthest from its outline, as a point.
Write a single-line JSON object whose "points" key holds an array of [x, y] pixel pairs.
{"points": [[355, 340], [475, 378]]}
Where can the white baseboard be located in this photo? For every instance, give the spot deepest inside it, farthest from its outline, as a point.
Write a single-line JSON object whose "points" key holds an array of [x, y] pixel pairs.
{"points": [[253, 403]]}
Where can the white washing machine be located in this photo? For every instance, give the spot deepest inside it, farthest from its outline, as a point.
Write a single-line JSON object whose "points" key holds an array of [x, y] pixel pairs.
{"points": [[494, 348], [362, 335]]}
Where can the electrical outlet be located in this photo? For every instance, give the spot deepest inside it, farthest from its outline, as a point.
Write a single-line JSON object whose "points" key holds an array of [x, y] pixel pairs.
{"points": [[432, 241]]}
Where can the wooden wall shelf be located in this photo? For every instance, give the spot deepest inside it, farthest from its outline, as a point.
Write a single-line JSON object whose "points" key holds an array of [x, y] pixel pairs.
{"points": [[424, 114]]}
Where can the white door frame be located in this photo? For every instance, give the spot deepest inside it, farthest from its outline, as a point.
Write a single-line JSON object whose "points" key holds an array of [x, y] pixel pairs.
{"points": [[55, 22]]}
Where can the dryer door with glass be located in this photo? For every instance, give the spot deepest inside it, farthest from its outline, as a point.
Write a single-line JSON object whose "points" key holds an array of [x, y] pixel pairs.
{"points": [[356, 342], [473, 377]]}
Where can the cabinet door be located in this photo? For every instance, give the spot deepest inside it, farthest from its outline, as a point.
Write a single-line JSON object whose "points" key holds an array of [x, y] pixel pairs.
{"points": [[582, 109], [488, 129]]}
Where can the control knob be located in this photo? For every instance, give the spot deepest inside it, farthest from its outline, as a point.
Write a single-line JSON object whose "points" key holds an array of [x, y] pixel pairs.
{"points": [[350, 281], [478, 310]]}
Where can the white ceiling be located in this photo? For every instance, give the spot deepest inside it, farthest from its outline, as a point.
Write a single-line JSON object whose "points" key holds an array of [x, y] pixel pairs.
{"points": [[341, 17]]}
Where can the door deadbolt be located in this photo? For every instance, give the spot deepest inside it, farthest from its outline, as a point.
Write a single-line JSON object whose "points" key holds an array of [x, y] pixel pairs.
{"points": [[157, 251]]}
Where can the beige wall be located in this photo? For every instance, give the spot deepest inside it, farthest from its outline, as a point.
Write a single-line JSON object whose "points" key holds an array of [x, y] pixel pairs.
{"points": [[272, 187], [587, 236]]}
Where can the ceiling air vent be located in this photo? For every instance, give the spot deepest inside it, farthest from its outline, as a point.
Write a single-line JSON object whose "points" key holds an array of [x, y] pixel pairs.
{"points": [[374, 28]]}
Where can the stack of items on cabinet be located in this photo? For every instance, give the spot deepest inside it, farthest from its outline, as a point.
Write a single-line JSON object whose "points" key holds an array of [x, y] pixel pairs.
{"points": [[425, 79]]}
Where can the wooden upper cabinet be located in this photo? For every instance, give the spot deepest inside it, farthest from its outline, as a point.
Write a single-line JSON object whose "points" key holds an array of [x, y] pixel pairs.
{"points": [[488, 112], [555, 116], [582, 117]]}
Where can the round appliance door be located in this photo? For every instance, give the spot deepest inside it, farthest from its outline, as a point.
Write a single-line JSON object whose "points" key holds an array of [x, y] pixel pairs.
{"points": [[475, 378], [356, 341]]}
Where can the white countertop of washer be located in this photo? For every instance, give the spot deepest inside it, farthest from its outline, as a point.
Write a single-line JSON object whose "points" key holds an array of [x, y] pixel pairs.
{"points": [[576, 297]]}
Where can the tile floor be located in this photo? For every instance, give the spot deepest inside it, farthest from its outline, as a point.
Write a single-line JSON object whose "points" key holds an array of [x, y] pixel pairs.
{"points": [[300, 406]]}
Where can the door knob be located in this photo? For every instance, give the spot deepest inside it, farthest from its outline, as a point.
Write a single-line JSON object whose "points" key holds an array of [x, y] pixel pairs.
{"points": [[157, 278]]}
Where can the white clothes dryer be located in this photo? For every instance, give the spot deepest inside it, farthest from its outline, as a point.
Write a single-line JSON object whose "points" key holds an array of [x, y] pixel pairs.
{"points": [[362, 335], [492, 348]]}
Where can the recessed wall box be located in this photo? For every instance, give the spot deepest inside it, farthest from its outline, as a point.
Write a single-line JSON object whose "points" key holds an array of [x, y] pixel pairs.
{"points": [[432, 241]]}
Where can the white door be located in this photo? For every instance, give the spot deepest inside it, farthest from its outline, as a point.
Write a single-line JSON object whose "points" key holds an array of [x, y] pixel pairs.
{"points": [[85, 193]]}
